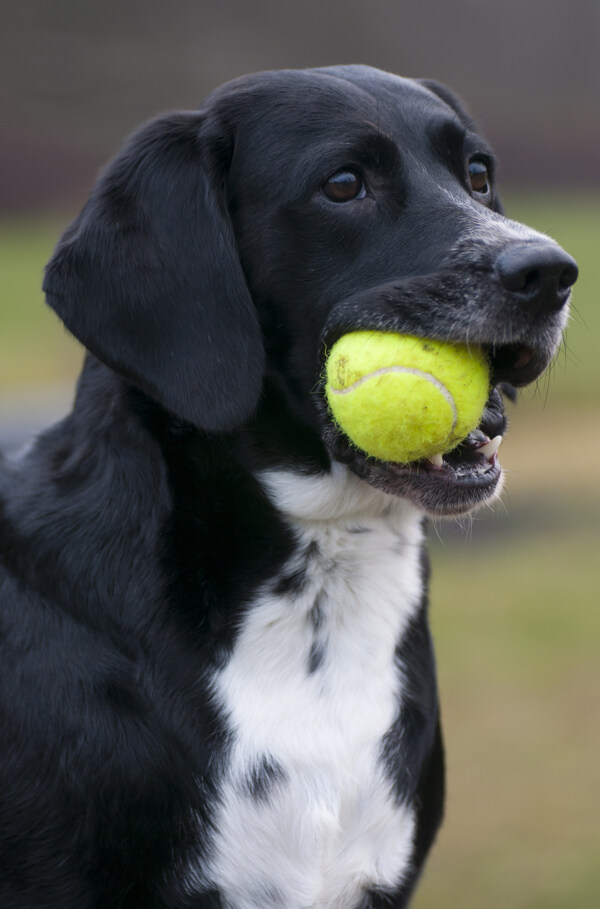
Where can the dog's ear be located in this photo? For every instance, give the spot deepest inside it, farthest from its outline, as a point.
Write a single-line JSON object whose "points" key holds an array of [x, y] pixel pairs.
{"points": [[149, 280]]}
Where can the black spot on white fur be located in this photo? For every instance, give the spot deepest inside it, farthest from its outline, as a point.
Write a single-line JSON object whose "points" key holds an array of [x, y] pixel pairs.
{"points": [[263, 777], [316, 656], [291, 584], [317, 613], [312, 551]]}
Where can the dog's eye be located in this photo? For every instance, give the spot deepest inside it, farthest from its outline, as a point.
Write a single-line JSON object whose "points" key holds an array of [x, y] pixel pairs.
{"points": [[344, 186], [479, 177]]}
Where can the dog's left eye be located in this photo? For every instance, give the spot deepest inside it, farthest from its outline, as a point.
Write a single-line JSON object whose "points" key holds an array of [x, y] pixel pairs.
{"points": [[344, 186], [479, 177]]}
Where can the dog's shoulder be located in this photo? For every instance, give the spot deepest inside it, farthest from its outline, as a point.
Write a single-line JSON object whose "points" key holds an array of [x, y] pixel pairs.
{"points": [[73, 499], [96, 761], [78, 528]]}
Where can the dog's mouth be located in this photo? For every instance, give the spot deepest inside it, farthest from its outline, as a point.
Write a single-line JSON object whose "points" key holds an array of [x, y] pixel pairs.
{"points": [[451, 484], [467, 475], [470, 474], [476, 307], [477, 455]]}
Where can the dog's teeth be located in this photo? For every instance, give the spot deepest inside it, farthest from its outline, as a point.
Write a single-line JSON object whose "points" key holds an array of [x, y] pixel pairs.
{"points": [[437, 460], [490, 448]]}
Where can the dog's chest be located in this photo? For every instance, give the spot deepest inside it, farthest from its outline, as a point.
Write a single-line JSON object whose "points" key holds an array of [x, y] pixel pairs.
{"points": [[307, 817]]}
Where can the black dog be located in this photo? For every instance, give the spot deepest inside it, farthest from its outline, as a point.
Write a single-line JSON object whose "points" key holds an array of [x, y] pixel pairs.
{"points": [[218, 686]]}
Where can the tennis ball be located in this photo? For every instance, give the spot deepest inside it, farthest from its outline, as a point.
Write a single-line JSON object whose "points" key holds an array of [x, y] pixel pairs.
{"points": [[401, 398]]}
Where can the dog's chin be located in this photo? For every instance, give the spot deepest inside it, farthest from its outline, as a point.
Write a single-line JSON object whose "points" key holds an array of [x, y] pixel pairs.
{"points": [[451, 490], [464, 479]]}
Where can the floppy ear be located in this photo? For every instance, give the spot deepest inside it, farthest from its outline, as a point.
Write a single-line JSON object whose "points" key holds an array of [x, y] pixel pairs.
{"points": [[149, 280]]}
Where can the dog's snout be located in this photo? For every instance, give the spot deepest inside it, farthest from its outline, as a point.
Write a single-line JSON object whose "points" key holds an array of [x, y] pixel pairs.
{"points": [[540, 274]]}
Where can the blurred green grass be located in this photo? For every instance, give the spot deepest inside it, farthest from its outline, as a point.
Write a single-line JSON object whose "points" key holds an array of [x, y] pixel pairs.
{"points": [[515, 599], [574, 221], [517, 633], [35, 349]]}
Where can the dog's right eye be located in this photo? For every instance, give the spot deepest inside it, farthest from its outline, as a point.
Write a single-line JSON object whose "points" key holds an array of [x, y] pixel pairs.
{"points": [[344, 186], [479, 177]]}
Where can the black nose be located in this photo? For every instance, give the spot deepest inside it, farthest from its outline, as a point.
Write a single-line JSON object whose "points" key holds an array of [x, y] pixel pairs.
{"points": [[538, 273]]}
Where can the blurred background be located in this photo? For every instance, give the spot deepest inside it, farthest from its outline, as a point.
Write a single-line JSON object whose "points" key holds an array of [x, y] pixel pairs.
{"points": [[516, 591]]}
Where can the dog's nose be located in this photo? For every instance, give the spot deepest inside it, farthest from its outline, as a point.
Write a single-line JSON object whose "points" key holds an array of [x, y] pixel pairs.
{"points": [[538, 273]]}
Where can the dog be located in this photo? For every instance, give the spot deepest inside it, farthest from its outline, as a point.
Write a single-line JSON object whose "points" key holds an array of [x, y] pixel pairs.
{"points": [[218, 683]]}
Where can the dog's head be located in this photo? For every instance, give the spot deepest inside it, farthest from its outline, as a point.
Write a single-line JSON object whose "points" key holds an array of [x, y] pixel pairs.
{"points": [[224, 251]]}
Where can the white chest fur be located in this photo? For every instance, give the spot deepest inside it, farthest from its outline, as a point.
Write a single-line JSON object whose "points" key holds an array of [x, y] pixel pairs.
{"points": [[310, 690]]}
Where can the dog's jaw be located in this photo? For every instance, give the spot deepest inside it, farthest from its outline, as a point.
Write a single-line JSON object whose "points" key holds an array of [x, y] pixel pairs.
{"points": [[468, 477]]}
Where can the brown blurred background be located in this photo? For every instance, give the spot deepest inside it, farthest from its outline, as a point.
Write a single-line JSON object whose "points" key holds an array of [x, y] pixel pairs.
{"points": [[77, 76], [516, 592]]}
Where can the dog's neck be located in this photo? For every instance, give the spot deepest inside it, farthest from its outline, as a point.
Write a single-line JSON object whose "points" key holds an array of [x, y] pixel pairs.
{"points": [[336, 496]]}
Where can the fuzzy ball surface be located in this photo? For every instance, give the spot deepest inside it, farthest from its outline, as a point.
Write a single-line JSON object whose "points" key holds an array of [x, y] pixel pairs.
{"points": [[401, 398]]}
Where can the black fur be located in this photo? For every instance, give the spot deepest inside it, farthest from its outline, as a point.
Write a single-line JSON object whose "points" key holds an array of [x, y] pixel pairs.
{"points": [[206, 276]]}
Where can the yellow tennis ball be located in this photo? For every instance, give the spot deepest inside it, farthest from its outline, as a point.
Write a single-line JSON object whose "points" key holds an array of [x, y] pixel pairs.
{"points": [[401, 398]]}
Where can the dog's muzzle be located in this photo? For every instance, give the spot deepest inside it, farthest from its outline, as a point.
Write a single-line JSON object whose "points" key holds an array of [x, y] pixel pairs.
{"points": [[509, 298]]}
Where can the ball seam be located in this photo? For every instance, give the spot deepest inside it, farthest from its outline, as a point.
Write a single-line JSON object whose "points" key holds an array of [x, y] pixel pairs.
{"points": [[407, 370]]}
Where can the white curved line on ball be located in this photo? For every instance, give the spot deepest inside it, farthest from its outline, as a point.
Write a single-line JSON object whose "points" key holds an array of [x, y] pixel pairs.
{"points": [[411, 371]]}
